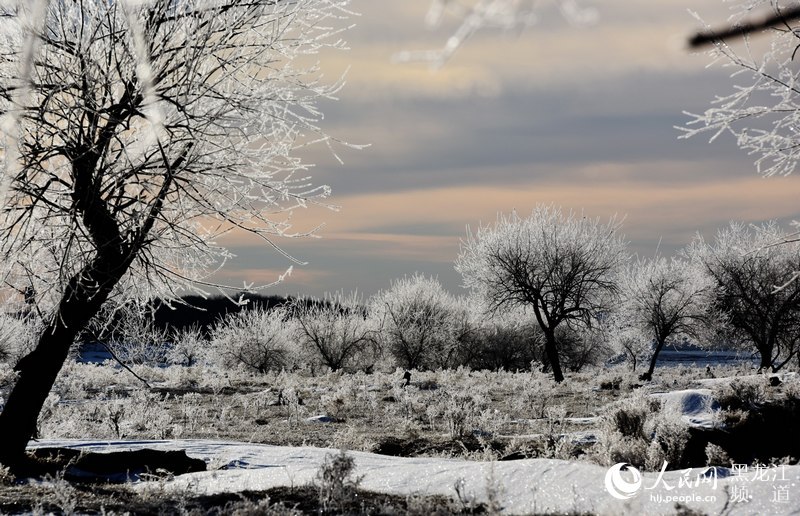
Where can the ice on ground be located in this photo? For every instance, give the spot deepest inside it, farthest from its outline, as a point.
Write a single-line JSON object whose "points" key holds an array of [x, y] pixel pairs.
{"points": [[322, 418], [522, 486], [696, 407]]}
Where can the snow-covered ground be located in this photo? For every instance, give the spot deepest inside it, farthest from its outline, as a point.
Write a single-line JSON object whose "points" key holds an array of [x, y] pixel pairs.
{"points": [[695, 406], [523, 486]]}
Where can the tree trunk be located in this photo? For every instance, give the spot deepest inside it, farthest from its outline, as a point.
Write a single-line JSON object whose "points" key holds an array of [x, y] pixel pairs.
{"points": [[38, 370], [766, 358], [648, 376], [551, 351]]}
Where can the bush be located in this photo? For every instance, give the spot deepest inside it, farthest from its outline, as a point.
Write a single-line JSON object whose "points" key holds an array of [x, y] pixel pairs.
{"points": [[258, 340], [17, 336], [131, 334], [508, 341], [335, 333], [639, 431], [740, 394], [189, 347], [419, 323], [336, 486]]}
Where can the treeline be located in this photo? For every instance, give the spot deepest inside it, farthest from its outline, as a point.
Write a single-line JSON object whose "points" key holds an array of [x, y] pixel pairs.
{"points": [[553, 291]]}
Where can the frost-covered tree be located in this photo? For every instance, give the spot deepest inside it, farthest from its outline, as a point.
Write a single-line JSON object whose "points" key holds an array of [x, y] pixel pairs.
{"points": [[561, 265], [762, 112], [136, 133], [756, 291], [663, 301], [259, 340], [335, 331], [417, 323], [476, 15], [628, 342]]}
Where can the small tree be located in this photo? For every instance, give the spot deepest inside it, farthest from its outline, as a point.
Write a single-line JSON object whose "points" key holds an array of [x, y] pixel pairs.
{"points": [[416, 320], [334, 331], [628, 342], [755, 288], [663, 300], [562, 266], [136, 134]]}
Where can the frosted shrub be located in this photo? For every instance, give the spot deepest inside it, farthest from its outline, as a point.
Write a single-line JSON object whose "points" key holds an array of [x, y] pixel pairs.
{"points": [[336, 485], [189, 347], [717, 456], [258, 340], [17, 336], [640, 431], [133, 336], [420, 323], [670, 435], [461, 412], [557, 444], [741, 393], [146, 416], [335, 332], [508, 340], [535, 394], [460, 404]]}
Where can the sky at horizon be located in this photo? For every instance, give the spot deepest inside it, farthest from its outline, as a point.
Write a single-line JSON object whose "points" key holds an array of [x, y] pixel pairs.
{"points": [[581, 117]]}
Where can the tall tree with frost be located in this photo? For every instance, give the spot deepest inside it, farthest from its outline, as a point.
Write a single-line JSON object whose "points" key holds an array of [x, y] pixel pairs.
{"points": [[563, 266], [664, 300], [756, 289], [135, 134]]}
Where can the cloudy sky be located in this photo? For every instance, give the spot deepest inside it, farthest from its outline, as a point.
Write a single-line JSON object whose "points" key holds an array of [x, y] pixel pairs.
{"points": [[582, 117]]}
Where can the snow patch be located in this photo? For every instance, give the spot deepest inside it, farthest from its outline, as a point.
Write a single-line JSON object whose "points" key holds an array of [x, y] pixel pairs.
{"points": [[696, 406], [522, 486]]}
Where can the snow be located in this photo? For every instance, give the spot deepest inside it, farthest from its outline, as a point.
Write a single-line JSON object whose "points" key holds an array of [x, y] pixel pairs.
{"points": [[695, 406], [523, 486]]}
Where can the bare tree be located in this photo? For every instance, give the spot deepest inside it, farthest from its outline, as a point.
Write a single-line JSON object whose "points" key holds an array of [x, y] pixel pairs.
{"points": [[755, 288], [664, 300], [136, 134], [562, 266]]}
